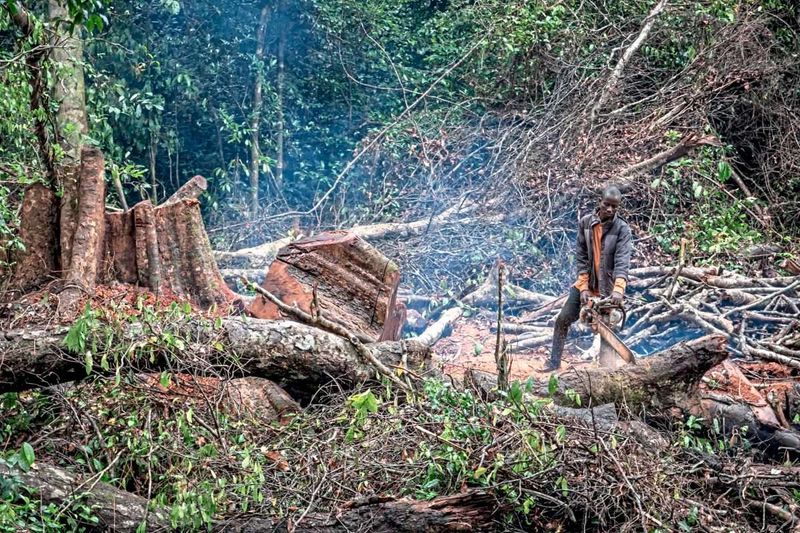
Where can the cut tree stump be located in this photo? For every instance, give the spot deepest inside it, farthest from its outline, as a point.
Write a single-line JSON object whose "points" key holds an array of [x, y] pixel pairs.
{"points": [[340, 276], [166, 249], [39, 220]]}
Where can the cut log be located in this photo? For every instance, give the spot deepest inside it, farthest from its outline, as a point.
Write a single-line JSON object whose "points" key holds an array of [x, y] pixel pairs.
{"points": [[116, 509], [299, 358], [471, 510], [668, 379], [739, 420], [660, 382], [38, 219], [341, 277]]}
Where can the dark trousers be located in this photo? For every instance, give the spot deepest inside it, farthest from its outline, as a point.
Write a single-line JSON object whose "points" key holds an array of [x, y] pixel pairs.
{"points": [[569, 314]]}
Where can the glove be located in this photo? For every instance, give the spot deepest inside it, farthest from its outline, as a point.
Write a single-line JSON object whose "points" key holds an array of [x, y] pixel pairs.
{"points": [[616, 298], [585, 295]]}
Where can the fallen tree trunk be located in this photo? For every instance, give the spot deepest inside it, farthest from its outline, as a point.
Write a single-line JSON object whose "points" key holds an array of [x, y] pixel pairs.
{"points": [[260, 257], [116, 509], [124, 512], [299, 358], [668, 379], [469, 511], [663, 381]]}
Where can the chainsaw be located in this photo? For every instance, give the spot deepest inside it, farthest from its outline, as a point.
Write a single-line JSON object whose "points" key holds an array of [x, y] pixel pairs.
{"points": [[602, 316]]}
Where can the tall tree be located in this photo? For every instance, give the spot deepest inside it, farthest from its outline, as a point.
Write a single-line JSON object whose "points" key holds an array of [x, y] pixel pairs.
{"points": [[255, 119]]}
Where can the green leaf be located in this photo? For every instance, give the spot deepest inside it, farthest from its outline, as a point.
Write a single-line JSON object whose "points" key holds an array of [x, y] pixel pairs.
{"points": [[88, 362], [552, 385], [27, 455]]}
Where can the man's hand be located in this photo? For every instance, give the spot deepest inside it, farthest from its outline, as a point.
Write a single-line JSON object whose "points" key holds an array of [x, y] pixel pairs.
{"points": [[585, 295], [616, 299]]}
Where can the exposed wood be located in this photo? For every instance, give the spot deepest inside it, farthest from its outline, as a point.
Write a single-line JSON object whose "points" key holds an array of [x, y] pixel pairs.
{"points": [[435, 331], [191, 190], [471, 510], [37, 261], [297, 357], [340, 276]]}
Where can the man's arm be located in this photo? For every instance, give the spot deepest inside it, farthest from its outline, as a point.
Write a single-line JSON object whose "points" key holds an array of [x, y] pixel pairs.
{"points": [[622, 259], [582, 260]]}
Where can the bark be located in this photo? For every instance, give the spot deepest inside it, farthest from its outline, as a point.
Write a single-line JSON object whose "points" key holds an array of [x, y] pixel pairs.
{"points": [[116, 509], [468, 511], [71, 122], [255, 120], [299, 358], [436, 331], [663, 381], [739, 420], [166, 249], [341, 277], [87, 243], [37, 261], [124, 512]]}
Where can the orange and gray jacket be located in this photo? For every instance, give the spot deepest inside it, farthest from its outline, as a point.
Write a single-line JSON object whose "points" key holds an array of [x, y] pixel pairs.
{"points": [[603, 255]]}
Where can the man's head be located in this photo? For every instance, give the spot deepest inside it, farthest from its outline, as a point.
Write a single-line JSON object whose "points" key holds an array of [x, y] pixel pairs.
{"points": [[609, 203]]}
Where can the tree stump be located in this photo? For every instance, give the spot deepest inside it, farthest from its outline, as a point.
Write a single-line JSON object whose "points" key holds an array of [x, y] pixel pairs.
{"points": [[340, 276], [37, 261], [166, 249]]}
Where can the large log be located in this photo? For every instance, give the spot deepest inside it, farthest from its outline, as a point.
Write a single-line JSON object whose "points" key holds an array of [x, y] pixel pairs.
{"points": [[666, 380], [660, 382], [115, 509], [471, 510], [124, 512], [340, 276], [299, 358]]}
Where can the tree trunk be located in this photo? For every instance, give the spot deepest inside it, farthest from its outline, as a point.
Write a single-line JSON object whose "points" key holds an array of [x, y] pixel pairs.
{"points": [[39, 215], [469, 511], [124, 512], [343, 278], [280, 88], [116, 509], [255, 120], [71, 123], [87, 242], [166, 249], [299, 358], [663, 381]]}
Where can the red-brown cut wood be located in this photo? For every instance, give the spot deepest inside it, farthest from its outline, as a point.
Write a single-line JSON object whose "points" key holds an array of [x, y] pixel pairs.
{"points": [[355, 284], [37, 232]]}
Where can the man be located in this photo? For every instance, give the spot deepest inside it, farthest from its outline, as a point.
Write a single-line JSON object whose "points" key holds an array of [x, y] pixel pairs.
{"points": [[603, 257]]}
